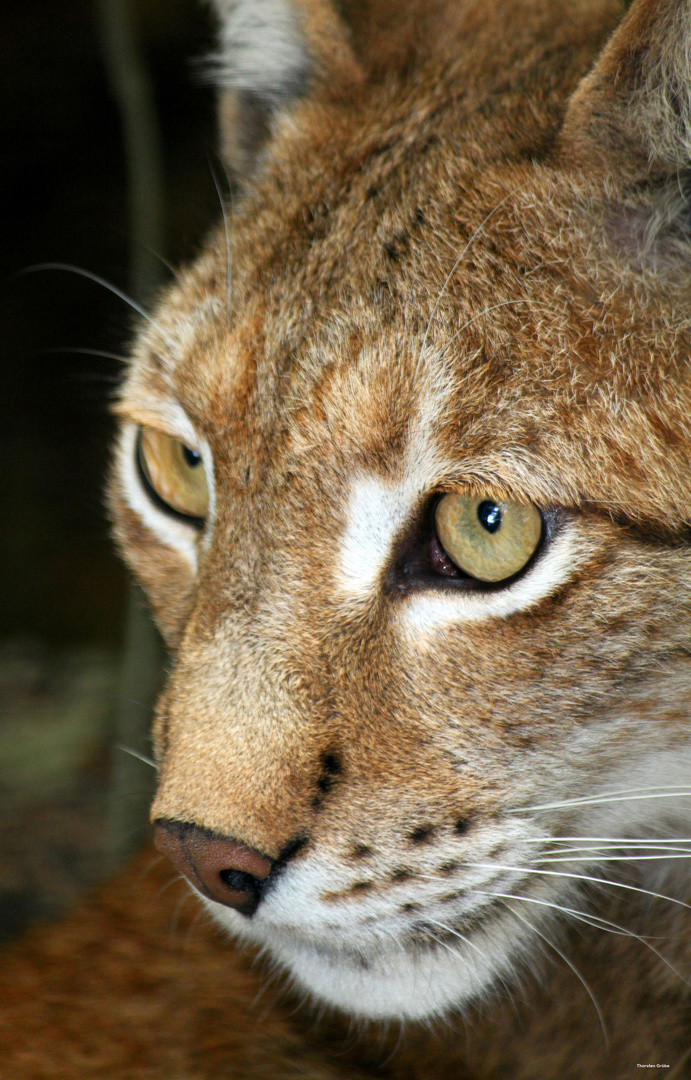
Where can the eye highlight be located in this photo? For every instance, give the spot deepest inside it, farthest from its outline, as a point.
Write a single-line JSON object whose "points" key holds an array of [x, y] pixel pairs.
{"points": [[488, 540], [173, 474]]}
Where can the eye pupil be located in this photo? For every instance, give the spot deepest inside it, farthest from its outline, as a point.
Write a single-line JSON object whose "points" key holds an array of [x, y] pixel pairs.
{"points": [[192, 458], [489, 516]]}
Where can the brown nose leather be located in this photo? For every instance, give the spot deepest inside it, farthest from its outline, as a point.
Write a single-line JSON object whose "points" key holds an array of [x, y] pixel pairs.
{"points": [[221, 869]]}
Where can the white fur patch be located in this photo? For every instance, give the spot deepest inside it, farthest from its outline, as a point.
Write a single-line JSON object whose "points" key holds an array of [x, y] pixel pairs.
{"points": [[354, 956], [425, 613], [377, 513], [379, 509], [261, 48]]}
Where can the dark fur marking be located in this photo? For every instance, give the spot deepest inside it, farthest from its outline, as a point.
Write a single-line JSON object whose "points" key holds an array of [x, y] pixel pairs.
{"points": [[361, 851], [331, 768], [421, 833], [290, 850], [331, 763], [448, 867], [497, 851], [461, 826], [402, 874], [393, 247], [362, 886]]}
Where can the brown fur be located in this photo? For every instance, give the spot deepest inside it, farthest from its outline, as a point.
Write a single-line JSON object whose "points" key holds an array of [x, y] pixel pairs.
{"points": [[135, 986], [451, 233]]}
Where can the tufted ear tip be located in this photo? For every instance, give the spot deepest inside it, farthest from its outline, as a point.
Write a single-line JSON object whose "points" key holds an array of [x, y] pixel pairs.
{"points": [[633, 111], [272, 54], [630, 121]]}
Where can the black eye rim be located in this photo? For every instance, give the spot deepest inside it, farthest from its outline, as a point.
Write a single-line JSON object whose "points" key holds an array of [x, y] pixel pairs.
{"points": [[417, 565], [198, 523]]}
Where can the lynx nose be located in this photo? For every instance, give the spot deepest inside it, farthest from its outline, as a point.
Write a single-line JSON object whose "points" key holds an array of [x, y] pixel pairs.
{"points": [[221, 869]]}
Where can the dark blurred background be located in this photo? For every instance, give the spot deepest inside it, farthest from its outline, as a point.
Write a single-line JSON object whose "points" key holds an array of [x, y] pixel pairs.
{"points": [[66, 198]]}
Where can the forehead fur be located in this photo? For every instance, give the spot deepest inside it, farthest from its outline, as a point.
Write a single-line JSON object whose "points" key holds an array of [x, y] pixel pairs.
{"points": [[417, 253]]}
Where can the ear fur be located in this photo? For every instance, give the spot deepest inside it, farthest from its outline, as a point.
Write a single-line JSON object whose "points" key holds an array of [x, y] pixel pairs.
{"points": [[271, 54], [633, 111], [631, 119]]}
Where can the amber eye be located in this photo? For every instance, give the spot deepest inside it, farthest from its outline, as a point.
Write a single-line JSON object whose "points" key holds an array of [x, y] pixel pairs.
{"points": [[173, 473], [488, 540]]}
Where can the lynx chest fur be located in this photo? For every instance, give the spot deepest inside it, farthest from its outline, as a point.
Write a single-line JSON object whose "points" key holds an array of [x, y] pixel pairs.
{"points": [[405, 471]]}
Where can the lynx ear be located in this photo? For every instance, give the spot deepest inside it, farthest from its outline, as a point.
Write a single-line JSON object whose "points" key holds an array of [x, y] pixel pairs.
{"points": [[273, 53], [631, 119]]}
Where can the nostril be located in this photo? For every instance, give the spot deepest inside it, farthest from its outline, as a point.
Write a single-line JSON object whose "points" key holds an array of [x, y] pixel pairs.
{"points": [[217, 866], [239, 881]]}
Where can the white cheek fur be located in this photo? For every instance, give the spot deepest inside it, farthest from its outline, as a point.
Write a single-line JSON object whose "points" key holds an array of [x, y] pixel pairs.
{"points": [[176, 534], [425, 613]]}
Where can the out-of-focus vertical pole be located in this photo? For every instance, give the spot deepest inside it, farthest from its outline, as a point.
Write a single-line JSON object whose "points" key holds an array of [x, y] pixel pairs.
{"points": [[131, 779], [132, 89]]}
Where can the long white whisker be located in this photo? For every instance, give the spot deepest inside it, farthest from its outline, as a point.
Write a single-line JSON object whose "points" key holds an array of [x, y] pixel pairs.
{"points": [[569, 963], [622, 840], [657, 791], [577, 877], [137, 755], [596, 921], [106, 285], [584, 852], [81, 351], [485, 311], [462, 938], [225, 226]]}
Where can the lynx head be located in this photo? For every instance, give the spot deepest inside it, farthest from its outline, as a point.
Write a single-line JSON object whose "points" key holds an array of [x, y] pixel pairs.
{"points": [[404, 468]]}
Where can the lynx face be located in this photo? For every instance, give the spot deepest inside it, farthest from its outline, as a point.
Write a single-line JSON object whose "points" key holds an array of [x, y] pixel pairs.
{"points": [[405, 471]]}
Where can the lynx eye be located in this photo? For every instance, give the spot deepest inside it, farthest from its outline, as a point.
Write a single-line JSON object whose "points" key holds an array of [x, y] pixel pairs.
{"points": [[488, 540], [173, 473]]}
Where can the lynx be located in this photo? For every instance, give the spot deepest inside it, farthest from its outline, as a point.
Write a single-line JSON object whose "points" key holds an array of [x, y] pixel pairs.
{"points": [[404, 468]]}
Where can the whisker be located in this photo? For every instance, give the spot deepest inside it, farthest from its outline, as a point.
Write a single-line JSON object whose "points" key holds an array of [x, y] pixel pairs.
{"points": [[596, 921], [623, 840], [453, 269], [462, 938], [569, 963], [508, 986], [612, 858], [81, 351], [577, 877], [106, 285], [485, 311], [136, 754], [225, 226], [658, 791], [174, 880]]}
